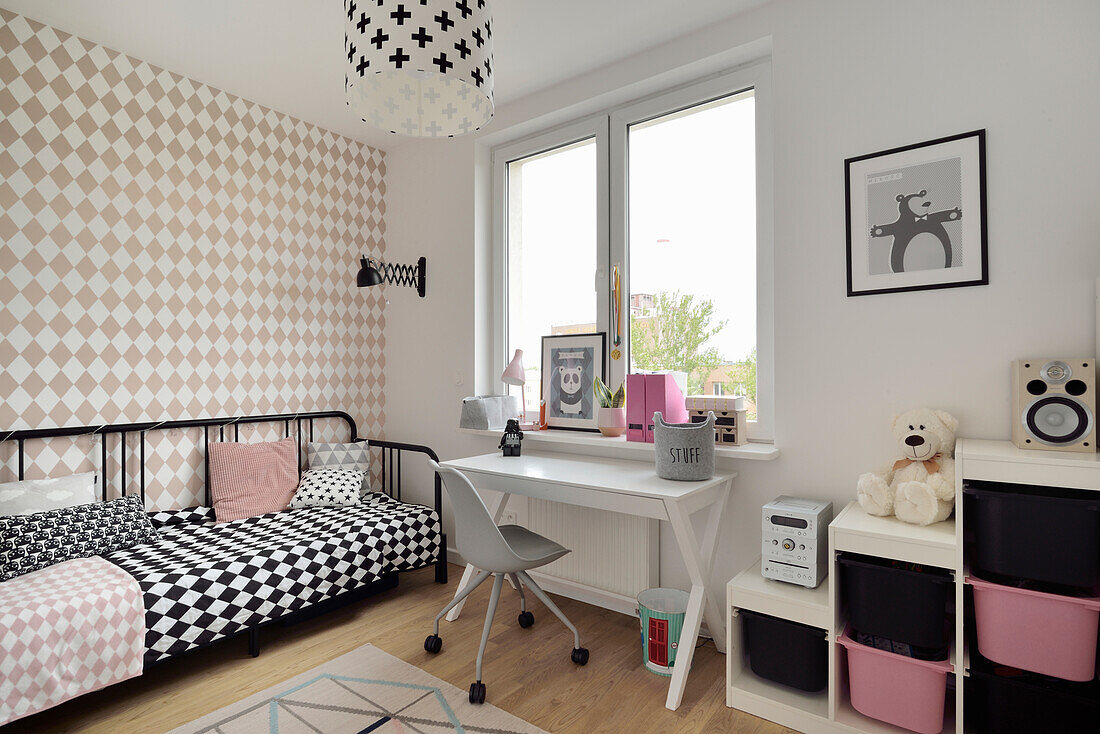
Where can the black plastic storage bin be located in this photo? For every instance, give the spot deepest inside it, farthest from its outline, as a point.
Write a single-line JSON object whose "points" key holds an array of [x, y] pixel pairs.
{"points": [[791, 653], [1001, 700], [1042, 534], [896, 600]]}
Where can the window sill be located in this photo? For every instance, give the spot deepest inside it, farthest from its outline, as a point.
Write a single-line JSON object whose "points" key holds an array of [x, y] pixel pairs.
{"points": [[593, 444]]}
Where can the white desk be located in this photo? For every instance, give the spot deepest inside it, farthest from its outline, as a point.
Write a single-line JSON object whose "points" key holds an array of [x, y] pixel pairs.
{"points": [[632, 488]]}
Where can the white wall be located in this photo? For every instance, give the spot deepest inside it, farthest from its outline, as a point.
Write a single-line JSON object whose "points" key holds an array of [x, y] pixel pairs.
{"points": [[850, 77]]}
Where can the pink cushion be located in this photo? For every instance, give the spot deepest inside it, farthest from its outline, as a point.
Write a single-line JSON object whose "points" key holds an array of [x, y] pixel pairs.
{"points": [[248, 479]]}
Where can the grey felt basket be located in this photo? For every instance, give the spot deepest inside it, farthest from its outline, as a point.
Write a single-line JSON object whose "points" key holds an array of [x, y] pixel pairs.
{"points": [[685, 451], [489, 411]]}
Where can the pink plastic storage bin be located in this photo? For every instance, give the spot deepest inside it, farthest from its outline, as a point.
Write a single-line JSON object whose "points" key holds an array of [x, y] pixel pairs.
{"points": [[902, 691], [1044, 633]]}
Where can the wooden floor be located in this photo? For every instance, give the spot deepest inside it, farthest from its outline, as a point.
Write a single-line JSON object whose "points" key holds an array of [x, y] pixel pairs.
{"points": [[527, 672]]}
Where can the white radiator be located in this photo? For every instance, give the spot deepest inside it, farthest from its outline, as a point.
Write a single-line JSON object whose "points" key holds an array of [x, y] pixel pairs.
{"points": [[614, 555]]}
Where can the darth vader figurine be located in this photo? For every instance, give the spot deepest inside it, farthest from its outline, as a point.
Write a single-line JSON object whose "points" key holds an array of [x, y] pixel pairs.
{"points": [[510, 441]]}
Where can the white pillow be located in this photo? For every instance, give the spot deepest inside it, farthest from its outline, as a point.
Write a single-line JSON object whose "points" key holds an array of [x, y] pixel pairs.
{"points": [[40, 495], [328, 488]]}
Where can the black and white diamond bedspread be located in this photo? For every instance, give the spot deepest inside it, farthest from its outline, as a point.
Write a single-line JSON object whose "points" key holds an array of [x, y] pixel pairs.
{"points": [[204, 581]]}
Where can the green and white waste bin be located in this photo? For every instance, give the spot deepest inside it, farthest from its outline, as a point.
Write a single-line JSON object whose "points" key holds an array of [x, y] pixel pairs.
{"points": [[662, 615]]}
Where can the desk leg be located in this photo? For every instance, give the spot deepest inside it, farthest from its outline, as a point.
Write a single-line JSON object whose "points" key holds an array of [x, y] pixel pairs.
{"points": [[496, 511], [698, 558]]}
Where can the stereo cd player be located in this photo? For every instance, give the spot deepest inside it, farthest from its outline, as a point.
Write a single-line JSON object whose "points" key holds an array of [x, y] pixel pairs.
{"points": [[795, 540]]}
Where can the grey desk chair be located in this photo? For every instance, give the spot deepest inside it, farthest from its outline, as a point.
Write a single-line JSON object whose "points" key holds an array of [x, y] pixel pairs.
{"points": [[507, 550]]}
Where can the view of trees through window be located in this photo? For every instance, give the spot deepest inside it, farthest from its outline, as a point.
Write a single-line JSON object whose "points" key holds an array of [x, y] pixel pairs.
{"points": [[673, 334], [692, 248]]}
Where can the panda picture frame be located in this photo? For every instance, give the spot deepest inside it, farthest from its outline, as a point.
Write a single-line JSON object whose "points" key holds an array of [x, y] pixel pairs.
{"points": [[915, 217], [570, 365]]}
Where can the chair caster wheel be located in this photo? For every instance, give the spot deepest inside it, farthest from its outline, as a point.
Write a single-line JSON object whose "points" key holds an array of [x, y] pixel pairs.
{"points": [[580, 655], [477, 692], [526, 619], [433, 643]]}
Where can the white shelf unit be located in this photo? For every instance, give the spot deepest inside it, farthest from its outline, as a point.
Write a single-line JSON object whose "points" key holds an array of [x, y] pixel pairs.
{"points": [[855, 531], [1002, 461], [808, 712]]}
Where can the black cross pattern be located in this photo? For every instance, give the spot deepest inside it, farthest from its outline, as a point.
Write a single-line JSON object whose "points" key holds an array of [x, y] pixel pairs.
{"points": [[444, 21], [488, 66], [361, 67], [422, 37], [463, 48], [399, 57], [351, 53], [401, 15], [379, 39], [364, 21], [464, 7], [476, 35], [476, 74], [352, 7], [442, 62], [489, 29], [480, 4]]}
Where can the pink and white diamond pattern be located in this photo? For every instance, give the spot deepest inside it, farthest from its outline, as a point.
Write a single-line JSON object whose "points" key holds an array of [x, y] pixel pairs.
{"points": [[170, 250], [66, 630]]}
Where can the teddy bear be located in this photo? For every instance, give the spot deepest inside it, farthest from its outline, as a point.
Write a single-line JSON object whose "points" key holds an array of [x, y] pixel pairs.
{"points": [[919, 487]]}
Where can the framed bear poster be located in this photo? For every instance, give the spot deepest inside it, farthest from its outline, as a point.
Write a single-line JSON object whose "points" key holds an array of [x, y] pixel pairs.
{"points": [[570, 365], [916, 216]]}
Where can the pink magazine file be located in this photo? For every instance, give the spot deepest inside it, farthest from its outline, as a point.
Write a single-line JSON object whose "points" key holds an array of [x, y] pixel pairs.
{"points": [[635, 408], [663, 394]]}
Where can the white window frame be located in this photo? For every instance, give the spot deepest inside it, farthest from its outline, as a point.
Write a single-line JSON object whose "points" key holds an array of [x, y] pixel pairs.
{"points": [[593, 127], [613, 218]]}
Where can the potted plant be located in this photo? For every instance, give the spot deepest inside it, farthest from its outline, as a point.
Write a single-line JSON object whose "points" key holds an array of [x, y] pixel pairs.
{"points": [[611, 419]]}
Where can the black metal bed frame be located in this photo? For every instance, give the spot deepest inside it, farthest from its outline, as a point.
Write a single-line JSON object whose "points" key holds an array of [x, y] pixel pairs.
{"points": [[390, 465]]}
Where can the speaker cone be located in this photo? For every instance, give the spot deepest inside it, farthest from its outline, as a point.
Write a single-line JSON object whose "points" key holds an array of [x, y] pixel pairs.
{"points": [[1057, 420]]}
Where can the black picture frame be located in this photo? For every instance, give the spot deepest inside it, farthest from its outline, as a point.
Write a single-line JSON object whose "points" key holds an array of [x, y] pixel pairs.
{"points": [[597, 342], [973, 254]]}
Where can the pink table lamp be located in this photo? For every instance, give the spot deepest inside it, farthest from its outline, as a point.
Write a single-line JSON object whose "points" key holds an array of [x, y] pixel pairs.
{"points": [[515, 375]]}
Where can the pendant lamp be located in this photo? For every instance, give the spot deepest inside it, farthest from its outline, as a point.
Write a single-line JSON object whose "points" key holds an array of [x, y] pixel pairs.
{"points": [[421, 68]]}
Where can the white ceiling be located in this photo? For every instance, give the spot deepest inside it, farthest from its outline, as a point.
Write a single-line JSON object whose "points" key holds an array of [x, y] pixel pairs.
{"points": [[288, 54]]}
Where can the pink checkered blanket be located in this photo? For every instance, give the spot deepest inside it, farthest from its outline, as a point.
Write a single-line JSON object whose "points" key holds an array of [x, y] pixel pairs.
{"points": [[66, 630]]}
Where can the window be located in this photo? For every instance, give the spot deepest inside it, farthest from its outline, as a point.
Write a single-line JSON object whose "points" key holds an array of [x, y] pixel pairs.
{"points": [[552, 226], [692, 244], [551, 251], [671, 193]]}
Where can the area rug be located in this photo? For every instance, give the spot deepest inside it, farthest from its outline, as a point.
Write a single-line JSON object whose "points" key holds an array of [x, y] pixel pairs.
{"points": [[365, 690]]}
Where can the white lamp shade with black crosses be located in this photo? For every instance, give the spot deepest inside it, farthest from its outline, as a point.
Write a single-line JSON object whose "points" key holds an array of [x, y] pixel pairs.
{"points": [[422, 68]]}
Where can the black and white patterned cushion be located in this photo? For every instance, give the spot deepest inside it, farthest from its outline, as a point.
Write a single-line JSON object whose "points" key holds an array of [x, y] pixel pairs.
{"points": [[354, 456], [31, 542], [328, 488], [207, 581], [164, 518]]}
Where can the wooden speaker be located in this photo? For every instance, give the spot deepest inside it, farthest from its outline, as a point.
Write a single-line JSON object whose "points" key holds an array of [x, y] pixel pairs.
{"points": [[1054, 404]]}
